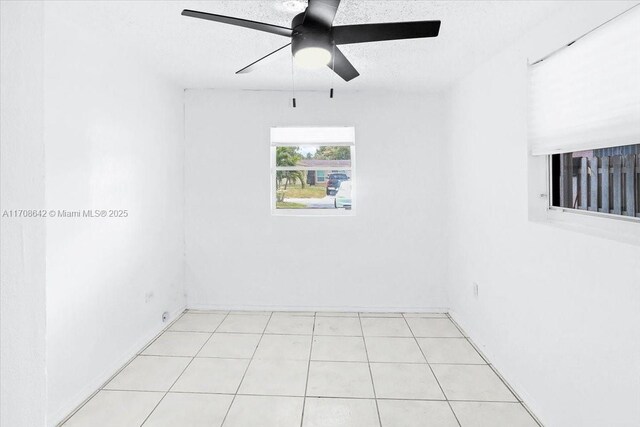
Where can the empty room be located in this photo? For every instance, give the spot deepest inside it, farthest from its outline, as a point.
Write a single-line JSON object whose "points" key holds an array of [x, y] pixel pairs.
{"points": [[320, 213]]}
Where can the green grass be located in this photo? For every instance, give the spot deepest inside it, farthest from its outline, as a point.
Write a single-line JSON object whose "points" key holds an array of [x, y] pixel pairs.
{"points": [[308, 192], [289, 205]]}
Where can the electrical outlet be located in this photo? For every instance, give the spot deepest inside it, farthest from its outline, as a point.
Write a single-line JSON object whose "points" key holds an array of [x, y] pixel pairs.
{"points": [[476, 289]]}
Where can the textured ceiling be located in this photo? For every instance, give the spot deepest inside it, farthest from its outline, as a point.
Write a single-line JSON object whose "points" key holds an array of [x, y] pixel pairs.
{"points": [[201, 54]]}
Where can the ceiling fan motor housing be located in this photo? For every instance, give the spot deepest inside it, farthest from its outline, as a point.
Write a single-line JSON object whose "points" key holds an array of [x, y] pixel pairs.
{"points": [[309, 35]]}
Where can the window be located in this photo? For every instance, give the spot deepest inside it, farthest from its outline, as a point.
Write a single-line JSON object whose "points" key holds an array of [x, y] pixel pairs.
{"points": [[603, 180], [584, 115], [313, 171]]}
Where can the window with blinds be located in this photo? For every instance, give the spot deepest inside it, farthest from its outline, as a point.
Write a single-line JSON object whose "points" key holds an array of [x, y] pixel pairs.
{"points": [[584, 114]]}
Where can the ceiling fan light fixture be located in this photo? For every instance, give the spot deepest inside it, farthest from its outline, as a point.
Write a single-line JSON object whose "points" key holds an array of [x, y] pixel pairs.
{"points": [[312, 57]]}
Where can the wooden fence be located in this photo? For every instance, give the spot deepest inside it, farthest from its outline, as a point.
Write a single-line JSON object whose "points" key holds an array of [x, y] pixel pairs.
{"points": [[601, 184]]}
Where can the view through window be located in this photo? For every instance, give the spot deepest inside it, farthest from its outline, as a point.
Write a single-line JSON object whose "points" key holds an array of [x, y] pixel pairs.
{"points": [[313, 176], [605, 180]]}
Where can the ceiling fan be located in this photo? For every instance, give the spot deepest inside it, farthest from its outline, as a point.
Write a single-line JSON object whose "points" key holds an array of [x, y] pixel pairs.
{"points": [[314, 39]]}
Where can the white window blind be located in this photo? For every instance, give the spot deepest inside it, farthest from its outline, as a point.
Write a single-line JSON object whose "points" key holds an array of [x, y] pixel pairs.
{"points": [[312, 135], [587, 95]]}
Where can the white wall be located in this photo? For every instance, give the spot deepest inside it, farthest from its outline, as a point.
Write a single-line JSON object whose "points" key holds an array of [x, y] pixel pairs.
{"points": [[114, 140], [390, 255], [22, 293], [558, 311]]}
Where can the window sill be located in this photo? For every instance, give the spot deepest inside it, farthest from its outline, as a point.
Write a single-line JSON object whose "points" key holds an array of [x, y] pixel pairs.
{"points": [[596, 214], [314, 213], [612, 227]]}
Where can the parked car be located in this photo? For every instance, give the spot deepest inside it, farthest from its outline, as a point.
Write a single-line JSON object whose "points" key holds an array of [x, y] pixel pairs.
{"points": [[333, 183], [343, 196]]}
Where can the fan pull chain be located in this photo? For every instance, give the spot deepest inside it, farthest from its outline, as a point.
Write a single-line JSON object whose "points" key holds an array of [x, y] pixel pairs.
{"points": [[293, 84], [333, 68]]}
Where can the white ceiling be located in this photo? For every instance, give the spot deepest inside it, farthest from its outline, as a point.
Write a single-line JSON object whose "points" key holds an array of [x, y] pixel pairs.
{"points": [[201, 54]]}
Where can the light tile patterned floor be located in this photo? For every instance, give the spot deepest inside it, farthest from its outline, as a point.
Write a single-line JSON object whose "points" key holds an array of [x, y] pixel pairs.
{"points": [[306, 369]]}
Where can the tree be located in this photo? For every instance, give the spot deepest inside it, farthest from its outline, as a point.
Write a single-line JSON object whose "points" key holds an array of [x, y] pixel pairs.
{"points": [[292, 176], [333, 153], [288, 156]]}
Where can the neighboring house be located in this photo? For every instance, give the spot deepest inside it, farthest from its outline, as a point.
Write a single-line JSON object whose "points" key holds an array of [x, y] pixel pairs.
{"points": [[324, 168]]}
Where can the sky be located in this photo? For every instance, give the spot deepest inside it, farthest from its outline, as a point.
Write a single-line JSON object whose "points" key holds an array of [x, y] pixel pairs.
{"points": [[304, 149]]}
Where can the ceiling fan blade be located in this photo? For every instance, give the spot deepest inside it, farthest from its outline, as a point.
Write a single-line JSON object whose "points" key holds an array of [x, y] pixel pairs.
{"points": [[321, 12], [254, 25], [387, 31], [342, 67], [252, 66]]}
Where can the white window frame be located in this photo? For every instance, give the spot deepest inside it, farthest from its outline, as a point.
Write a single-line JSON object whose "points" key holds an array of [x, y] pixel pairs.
{"points": [[609, 226], [620, 217], [318, 136]]}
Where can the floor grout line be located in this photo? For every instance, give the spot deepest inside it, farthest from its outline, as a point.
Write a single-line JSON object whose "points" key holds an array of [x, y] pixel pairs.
{"points": [[306, 384], [411, 399], [432, 372], [373, 384], [184, 370], [319, 335], [224, 420], [313, 360]]}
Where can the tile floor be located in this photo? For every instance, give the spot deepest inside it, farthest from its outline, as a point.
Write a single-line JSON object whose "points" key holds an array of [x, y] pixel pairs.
{"points": [[306, 369]]}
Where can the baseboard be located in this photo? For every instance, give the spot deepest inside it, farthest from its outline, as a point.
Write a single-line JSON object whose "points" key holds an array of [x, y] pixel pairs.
{"points": [[520, 391], [65, 412], [347, 308]]}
